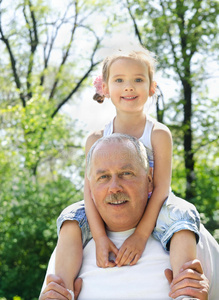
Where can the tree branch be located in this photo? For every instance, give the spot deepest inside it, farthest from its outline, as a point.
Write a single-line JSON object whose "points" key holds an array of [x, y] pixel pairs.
{"points": [[33, 34], [65, 56], [80, 81], [13, 62], [207, 143], [75, 89], [171, 43], [53, 38], [137, 32]]}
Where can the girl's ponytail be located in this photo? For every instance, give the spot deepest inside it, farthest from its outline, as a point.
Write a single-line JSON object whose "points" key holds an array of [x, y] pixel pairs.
{"points": [[97, 97]]}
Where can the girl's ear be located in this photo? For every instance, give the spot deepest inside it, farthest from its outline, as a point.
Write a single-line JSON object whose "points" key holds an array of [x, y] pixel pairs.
{"points": [[152, 88], [105, 89]]}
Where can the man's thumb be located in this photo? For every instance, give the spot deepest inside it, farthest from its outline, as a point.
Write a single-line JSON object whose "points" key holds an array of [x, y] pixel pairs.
{"points": [[77, 287], [169, 275]]}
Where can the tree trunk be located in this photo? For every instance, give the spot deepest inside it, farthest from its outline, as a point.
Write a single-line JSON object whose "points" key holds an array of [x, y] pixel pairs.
{"points": [[187, 139]]}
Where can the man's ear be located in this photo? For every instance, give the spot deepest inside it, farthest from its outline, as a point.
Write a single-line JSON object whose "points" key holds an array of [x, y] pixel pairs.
{"points": [[105, 89]]}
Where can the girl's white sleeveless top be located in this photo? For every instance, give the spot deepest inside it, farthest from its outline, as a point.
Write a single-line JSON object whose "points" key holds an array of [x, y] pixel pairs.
{"points": [[145, 138]]}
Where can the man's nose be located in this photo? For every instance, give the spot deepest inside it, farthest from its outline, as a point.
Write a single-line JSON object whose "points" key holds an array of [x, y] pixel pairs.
{"points": [[114, 185]]}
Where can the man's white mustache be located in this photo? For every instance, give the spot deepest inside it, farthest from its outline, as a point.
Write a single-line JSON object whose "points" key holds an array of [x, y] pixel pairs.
{"points": [[115, 198]]}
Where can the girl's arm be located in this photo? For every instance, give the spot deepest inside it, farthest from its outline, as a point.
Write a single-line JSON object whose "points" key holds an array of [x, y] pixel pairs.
{"points": [[161, 141], [97, 226], [69, 253], [183, 242], [162, 147]]}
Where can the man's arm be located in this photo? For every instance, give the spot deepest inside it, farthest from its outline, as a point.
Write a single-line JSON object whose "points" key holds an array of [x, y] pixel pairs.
{"points": [[190, 281]]}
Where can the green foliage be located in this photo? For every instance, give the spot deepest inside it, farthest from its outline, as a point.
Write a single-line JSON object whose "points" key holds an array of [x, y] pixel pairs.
{"points": [[41, 155], [41, 172], [28, 231], [184, 35]]}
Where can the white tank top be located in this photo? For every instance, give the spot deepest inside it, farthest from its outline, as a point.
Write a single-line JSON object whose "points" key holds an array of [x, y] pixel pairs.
{"points": [[145, 138]]}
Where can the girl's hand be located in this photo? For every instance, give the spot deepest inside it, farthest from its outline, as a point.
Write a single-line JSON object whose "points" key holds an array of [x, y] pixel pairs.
{"points": [[103, 248], [131, 250]]}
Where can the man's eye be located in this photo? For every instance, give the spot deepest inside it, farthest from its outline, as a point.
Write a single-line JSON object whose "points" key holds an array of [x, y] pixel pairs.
{"points": [[102, 177], [127, 173]]}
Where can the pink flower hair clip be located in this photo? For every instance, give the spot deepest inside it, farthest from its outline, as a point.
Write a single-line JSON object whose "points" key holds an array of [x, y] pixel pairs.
{"points": [[99, 96]]}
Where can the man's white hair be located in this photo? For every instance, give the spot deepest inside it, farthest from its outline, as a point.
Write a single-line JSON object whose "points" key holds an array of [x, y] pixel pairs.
{"points": [[141, 151]]}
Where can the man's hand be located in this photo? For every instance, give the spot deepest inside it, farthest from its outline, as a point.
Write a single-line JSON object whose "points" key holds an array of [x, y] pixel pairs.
{"points": [[103, 248], [131, 250], [55, 289], [191, 281]]}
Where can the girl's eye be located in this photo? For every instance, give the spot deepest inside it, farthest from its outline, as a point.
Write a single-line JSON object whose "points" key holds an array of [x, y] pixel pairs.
{"points": [[138, 80], [119, 80]]}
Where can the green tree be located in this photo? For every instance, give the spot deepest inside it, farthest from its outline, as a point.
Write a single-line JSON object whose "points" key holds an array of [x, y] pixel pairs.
{"points": [[42, 67], [184, 36]]}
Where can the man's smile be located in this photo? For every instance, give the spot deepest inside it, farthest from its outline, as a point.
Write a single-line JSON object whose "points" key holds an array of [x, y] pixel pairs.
{"points": [[117, 202], [117, 199]]}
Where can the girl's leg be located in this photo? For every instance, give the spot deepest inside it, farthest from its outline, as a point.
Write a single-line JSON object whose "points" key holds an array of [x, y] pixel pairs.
{"points": [[69, 253], [182, 249]]}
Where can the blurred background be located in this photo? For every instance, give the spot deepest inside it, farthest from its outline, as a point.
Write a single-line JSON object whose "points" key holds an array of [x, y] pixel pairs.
{"points": [[51, 51]]}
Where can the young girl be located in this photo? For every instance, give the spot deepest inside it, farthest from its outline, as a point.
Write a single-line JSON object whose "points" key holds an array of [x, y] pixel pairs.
{"points": [[127, 78]]}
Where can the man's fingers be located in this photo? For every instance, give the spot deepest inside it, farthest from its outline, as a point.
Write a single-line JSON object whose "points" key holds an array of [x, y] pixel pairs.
{"points": [[54, 278], [192, 292], [77, 287], [169, 275], [193, 264], [191, 283], [55, 291], [186, 275]]}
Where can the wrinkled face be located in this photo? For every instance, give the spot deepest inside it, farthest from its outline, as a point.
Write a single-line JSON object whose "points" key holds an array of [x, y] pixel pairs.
{"points": [[128, 84], [119, 185]]}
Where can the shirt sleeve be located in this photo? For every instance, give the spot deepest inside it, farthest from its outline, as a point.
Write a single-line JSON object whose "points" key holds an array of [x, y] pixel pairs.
{"points": [[175, 215], [208, 254]]}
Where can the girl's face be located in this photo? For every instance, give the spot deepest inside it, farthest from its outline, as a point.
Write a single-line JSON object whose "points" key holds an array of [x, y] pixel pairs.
{"points": [[128, 84]]}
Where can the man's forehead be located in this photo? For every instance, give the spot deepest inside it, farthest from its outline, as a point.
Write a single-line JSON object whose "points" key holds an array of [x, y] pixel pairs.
{"points": [[121, 167], [113, 145], [114, 156]]}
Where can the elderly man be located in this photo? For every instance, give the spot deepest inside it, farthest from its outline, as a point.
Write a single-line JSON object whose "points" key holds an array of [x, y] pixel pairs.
{"points": [[120, 181]]}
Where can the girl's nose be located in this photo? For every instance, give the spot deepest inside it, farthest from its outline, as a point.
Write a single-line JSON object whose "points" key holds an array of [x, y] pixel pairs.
{"points": [[129, 87]]}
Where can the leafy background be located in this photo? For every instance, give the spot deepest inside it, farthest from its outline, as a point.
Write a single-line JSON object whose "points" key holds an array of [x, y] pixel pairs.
{"points": [[48, 57]]}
